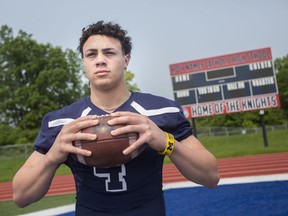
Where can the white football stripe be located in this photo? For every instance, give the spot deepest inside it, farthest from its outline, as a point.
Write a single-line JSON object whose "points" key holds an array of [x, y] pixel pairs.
{"points": [[64, 121], [86, 111], [153, 112], [59, 122]]}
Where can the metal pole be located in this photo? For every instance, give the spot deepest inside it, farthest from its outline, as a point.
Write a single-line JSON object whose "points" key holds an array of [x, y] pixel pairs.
{"points": [[261, 113], [194, 127]]}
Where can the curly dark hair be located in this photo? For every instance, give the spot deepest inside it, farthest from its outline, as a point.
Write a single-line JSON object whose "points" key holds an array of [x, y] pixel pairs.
{"points": [[108, 29]]}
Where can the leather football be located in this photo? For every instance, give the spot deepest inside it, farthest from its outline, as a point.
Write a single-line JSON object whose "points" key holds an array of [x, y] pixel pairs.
{"points": [[107, 150]]}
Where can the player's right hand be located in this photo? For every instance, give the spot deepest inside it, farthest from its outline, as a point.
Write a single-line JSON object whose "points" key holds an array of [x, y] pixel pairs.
{"points": [[63, 144]]}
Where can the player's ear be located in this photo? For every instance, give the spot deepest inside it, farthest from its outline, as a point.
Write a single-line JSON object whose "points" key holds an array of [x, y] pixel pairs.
{"points": [[126, 61]]}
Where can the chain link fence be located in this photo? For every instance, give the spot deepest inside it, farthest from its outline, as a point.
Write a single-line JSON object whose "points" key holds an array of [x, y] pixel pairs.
{"points": [[230, 131], [16, 151]]}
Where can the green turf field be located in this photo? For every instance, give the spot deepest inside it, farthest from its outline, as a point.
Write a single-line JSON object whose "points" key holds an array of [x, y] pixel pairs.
{"points": [[8, 208]]}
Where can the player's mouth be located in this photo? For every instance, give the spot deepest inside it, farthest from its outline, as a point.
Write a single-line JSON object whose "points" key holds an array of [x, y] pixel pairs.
{"points": [[101, 72]]}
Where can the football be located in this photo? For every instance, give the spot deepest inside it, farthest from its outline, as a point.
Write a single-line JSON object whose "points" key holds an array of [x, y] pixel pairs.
{"points": [[106, 149]]}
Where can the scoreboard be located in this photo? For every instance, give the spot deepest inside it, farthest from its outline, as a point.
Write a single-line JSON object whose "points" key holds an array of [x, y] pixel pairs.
{"points": [[225, 84]]}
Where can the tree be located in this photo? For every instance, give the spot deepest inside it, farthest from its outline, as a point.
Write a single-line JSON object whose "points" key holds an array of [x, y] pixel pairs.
{"points": [[34, 79], [129, 76], [281, 67]]}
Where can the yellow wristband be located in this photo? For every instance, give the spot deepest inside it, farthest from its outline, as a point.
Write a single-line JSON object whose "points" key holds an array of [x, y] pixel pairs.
{"points": [[169, 145]]}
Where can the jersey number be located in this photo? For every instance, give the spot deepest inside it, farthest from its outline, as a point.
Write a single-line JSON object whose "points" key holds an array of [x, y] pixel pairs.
{"points": [[114, 181]]}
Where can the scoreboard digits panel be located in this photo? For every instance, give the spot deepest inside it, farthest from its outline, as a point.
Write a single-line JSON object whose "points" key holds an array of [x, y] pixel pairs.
{"points": [[220, 74], [209, 93], [186, 97], [226, 84], [236, 90]]}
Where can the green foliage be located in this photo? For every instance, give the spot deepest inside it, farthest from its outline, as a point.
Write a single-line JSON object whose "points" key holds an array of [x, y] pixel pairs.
{"points": [[281, 67], [34, 79], [6, 132], [249, 119], [16, 135], [129, 76]]}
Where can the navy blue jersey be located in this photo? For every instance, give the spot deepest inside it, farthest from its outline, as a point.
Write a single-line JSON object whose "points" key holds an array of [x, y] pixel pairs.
{"points": [[134, 188]]}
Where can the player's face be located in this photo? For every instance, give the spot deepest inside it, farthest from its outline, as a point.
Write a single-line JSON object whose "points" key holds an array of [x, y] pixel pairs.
{"points": [[104, 62]]}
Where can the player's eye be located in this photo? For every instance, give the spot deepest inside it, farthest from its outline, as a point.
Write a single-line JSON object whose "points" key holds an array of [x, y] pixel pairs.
{"points": [[109, 53], [89, 55]]}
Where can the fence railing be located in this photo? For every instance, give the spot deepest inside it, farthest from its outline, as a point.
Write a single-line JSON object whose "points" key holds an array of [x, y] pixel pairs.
{"points": [[16, 151], [24, 150], [230, 131]]}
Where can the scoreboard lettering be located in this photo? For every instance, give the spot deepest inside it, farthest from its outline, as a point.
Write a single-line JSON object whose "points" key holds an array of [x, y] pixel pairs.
{"points": [[226, 84], [232, 106]]}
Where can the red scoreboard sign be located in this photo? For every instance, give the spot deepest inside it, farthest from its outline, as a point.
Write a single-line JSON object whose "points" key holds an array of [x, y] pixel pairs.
{"points": [[225, 84]]}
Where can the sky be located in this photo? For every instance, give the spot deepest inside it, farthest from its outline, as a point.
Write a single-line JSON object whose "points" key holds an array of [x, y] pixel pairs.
{"points": [[163, 32]]}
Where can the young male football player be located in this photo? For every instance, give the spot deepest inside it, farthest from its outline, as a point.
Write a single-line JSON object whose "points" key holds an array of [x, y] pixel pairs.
{"points": [[133, 188]]}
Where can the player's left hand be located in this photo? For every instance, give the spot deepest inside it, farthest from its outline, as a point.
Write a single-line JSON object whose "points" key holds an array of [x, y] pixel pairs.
{"points": [[149, 132]]}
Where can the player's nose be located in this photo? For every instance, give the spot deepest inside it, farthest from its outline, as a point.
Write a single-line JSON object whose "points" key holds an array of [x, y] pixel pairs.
{"points": [[100, 60]]}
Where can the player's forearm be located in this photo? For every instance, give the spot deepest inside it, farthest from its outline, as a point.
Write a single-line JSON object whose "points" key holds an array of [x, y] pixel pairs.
{"points": [[198, 166], [31, 183]]}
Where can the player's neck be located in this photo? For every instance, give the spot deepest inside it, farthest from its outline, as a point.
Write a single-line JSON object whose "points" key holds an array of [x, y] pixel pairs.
{"points": [[109, 100]]}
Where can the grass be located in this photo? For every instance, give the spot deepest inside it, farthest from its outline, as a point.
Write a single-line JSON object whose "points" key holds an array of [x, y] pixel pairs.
{"points": [[9, 167], [250, 144], [8, 208], [221, 147]]}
